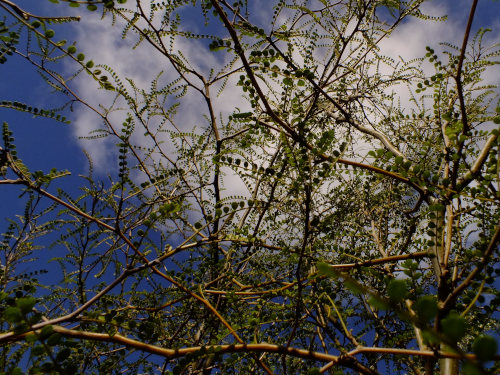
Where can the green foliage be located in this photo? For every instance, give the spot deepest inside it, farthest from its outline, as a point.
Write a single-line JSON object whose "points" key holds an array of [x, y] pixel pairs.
{"points": [[313, 371], [8, 38], [485, 347], [453, 326], [37, 112], [397, 290], [426, 308], [316, 217]]}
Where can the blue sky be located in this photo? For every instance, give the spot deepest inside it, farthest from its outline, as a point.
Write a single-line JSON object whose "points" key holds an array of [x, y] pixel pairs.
{"points": [[44, 143]]}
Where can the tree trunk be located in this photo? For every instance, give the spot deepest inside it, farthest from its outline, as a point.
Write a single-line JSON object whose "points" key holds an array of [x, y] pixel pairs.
{"points": [[447, 366]]}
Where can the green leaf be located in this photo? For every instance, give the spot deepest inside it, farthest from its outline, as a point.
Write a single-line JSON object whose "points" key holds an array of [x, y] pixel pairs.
{"points": [[354, 287], [430, 337], [46, 332], [397, 290], [485, 347], [63, 354], [242, 115], [325, 270], [13, 314], [26, 304], [314, 371], [378, 303], [31, 338], [47, 367], [471, 369], [38, 350], [170, 208], [54, 339], [426, 307], [453, 326]]}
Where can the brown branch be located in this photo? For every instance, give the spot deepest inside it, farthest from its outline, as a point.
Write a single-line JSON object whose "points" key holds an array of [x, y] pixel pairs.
{"points": [[494, 242], [460, 64], [154, 269], [412, 352], [147, 264], [246, 348], [17, 181], [177, 353], [478, 164], [393, 258], [292, 133], [27, 15], [235, 335], [10, 335]]}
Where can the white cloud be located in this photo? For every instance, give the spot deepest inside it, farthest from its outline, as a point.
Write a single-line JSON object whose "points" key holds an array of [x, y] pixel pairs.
{"points": [[103, 43]]}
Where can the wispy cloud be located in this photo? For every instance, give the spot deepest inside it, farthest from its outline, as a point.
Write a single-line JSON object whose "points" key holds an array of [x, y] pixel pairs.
{"points": [[104, 44]]}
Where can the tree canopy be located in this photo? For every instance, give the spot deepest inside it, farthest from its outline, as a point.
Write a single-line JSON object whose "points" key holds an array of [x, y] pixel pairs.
{"points": [[283, 196]]}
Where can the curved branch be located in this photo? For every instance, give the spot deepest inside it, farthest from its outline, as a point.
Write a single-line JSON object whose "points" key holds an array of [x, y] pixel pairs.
{"points": [[459, 67], [494, 243], [27, 15], [250, 348]]}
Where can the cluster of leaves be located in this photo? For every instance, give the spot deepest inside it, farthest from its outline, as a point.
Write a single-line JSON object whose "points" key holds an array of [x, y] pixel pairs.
{"points": [[9, 39], [270, 229]]}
